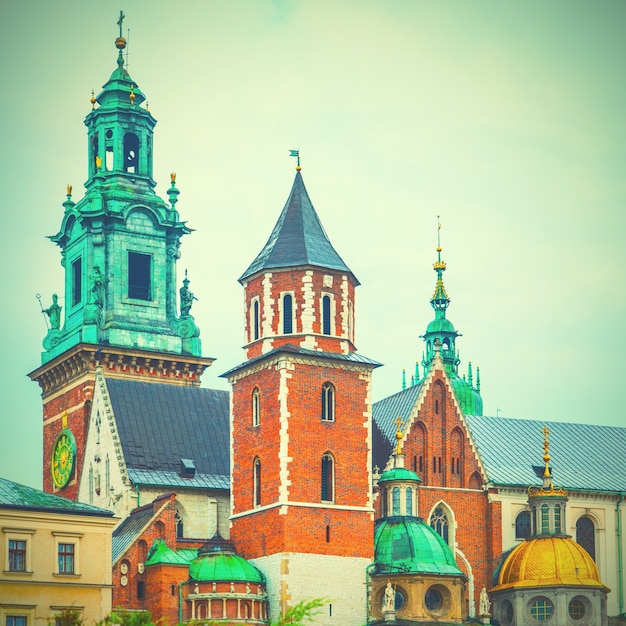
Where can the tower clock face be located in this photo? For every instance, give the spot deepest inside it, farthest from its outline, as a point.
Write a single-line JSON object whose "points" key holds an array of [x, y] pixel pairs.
{"points": [[63, 458]]}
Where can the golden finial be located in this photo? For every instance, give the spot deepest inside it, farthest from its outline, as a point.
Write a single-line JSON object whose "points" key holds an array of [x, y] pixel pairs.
{"points": [[173, 177], [64, 420], [92, 100], [546, 450], [98, 161], [399, 423], [69, 189], [132, 95]]}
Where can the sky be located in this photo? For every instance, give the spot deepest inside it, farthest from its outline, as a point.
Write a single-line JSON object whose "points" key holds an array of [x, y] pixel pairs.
{"points": [[506, 119]]}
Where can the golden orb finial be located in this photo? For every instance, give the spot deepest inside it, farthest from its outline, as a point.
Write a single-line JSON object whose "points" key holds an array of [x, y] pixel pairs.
{"points": [[399, 423], [132, 95], [173, 177], [92, 100]]}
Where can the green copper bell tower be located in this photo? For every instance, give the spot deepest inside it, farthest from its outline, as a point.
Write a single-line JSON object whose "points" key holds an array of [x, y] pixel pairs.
{"points": [[120, 242]]}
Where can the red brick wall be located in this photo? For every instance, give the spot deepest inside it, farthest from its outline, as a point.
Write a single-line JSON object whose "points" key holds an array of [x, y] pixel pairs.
{"points": [[438, 436], [346, 438], [291, 281], [76, 401]]}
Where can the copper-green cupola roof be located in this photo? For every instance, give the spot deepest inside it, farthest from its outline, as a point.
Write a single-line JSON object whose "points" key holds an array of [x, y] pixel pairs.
{"points": [[440, 337], [298, 238], [120, 242]]}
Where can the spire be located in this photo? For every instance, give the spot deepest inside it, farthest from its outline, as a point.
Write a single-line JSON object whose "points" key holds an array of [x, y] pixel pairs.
{"points": [[440, 300], [298, 238]]}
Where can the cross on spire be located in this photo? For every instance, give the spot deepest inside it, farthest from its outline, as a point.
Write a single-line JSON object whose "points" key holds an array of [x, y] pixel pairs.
{"points": [[120, 21]]}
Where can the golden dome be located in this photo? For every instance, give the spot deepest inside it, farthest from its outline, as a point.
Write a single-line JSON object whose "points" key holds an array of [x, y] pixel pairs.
{"points": [[548, 562]]}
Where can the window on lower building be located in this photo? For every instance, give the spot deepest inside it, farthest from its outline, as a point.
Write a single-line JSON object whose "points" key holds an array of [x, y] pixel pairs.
{"points": [[257, 481], [16, 620], [139, 276], [256, 407], [586, 535], [66, 558], [327, 478], [439, 521], [328, 402], [17, 555], [522, 525]]}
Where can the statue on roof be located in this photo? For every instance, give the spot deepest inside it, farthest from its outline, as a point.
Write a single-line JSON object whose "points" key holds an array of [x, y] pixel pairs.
{"points": [[54, 313], [97, 286], [390, 598], [483, 602], [186, 297]]}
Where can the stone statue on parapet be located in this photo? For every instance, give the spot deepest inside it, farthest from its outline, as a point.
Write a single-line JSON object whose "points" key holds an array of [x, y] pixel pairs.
{"points": [[54, 313], [97, 287]]}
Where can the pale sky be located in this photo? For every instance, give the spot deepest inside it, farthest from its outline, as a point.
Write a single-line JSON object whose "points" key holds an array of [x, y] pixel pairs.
{"points": [[504, 118]]}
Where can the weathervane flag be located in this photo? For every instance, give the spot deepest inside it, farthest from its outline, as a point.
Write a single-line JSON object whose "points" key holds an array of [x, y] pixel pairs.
{"points": [[295, 153]]}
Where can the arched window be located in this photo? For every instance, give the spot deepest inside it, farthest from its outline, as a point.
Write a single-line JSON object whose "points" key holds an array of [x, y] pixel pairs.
{"points": [[328, 402], [395, 501], [256, 407], [257, 481], [255, 320], [439, 521], [131, 153], [522, 525], [545, 519], [327, 478], [287, 314], [180, 529], [409, 501], [586, 535], [326, 315]]}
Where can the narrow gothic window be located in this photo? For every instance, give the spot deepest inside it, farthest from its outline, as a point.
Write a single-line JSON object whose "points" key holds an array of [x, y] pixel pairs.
{"points": [[131, 153], [141, 589], [287, 314], [139, 276], [557, 519], [326, 315], [77, 281], [586, 535], [328, 402], [522, 525], [327, 534], [257, 481], [327, 478], [180, 528], [256, 407], [439, 521], [90, 484]]}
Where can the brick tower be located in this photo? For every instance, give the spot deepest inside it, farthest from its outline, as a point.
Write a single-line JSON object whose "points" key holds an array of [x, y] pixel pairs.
{"points": [[119, 246], [301, 423]]}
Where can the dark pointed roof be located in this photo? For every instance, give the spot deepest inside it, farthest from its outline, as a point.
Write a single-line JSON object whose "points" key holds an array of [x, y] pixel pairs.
{"points": [[297, 239]]}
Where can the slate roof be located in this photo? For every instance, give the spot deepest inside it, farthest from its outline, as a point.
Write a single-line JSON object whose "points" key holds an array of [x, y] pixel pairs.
{"points": [[16, 496], [384, 413], [160, 424], [351, 357], [298, 238], [128, 531], [583, 456]]}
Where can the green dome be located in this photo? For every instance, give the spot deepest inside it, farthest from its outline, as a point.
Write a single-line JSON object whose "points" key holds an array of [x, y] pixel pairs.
{"points": [[217, 561], [440, 324], [408, 544], [399, 473]]}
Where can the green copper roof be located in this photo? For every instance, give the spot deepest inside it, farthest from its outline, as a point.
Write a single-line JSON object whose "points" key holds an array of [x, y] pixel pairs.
{"points": [[160, 553], [440, 324], [407, 544], [16, 496], [298, 238], [399, 473], [467, 396]]}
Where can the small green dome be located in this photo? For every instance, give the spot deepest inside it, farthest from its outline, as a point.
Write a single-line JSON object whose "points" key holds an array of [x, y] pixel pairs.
{"points": [[412, 545], [399, 473], [217, 561], [440, 324]]}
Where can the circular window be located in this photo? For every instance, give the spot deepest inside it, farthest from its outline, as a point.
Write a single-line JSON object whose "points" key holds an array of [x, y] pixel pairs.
{"points": [[577, 608], [433, 599], [506, 612], [400, 599], [109, 133], [541, 609]]}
